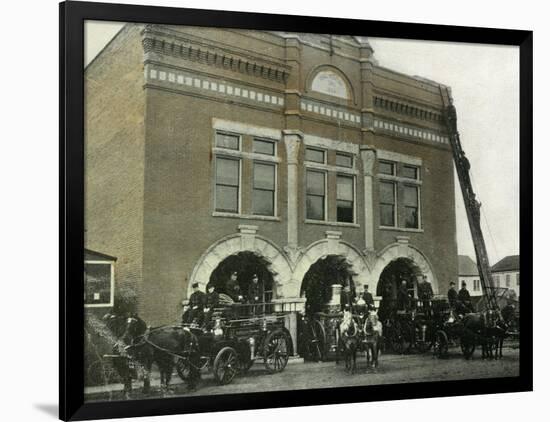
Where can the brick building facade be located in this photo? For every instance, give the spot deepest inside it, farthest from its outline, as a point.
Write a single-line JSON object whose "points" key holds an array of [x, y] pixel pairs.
{"points": [[203, 143]]}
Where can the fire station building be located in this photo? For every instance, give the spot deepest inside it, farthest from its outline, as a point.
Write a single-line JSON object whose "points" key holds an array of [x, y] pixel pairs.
{"points": [[205, 145]]}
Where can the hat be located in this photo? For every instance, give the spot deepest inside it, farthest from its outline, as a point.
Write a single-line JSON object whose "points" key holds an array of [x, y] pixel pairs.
{"points": [[452, 283], [195, 285], [254, 275], [366, 286], [210, 286], [463, 283], [234, 273]]}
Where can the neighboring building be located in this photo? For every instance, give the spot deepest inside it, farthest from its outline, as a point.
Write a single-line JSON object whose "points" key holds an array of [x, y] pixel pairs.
{"points": [[203, 145], [467, 272], [506, 273]]}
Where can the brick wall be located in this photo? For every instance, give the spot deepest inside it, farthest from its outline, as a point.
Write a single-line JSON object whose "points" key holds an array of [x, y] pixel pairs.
{"points": [[114, 150]]}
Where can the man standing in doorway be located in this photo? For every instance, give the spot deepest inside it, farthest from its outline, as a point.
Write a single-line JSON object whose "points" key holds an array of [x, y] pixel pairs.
{"points": [[425, 292], [403, 297], [452, 295], [255, 294]]}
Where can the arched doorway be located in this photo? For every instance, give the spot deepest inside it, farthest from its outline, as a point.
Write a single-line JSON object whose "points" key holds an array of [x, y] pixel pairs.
{"points": [[245, 264], [391, 278], [322, 274]]}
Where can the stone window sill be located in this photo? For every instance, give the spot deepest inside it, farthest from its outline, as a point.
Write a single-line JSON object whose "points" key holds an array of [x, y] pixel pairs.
{"points": [[332, 223], [401, 229], [246, 216]]}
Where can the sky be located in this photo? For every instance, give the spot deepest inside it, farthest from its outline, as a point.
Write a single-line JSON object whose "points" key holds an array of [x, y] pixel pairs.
{"points": [[485, 85]]}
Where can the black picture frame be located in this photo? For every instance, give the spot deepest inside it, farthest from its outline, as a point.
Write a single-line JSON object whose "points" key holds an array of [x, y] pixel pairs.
{"points": [[71, 126]]}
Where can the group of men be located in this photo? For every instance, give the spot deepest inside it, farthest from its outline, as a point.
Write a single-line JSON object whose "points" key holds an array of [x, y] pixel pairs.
{"points": [[460, 301], [201, 305], [359, 303]]}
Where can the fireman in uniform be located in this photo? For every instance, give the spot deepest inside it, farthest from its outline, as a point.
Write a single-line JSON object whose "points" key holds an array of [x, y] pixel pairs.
{"points": [[195, 311], [230, 285], [346, 298], [425, 293], [255, 294], [452, 295], [403, 297], [211, 302], [464, 301], [367, 297]]}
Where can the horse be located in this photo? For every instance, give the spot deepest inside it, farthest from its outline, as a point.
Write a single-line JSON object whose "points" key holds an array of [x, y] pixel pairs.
{"points": [[349, 341], [162, 346], [502, 324], [372, 333], [479, 328]]}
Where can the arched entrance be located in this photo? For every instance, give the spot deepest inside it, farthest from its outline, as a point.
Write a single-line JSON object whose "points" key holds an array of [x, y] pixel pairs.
{"points": [[277, 263], [245, 264], [397, 272], [318, 280]]}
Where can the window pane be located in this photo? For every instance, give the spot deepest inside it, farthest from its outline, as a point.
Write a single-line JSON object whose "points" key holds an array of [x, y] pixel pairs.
{"points": [[386, 168], [315, 207], [227, 172], [315, 155], [344, 211], [315, 183], [97, 284], [344, 160], [411, 218], [264, 176], [410, 196], [227, 198], [264, 147], [410, 172], [344, 188], [262, 202], [227, 141], [517, 279], [507, 280], [387, 215], [387, 193]]}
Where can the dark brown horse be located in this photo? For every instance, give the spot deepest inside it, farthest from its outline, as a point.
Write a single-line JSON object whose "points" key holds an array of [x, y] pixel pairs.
{"points": [[479, 328], [162, 346]]}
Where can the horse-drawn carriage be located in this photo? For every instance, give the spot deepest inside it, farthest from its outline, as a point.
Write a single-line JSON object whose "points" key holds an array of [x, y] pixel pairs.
{"points": [[228, 344], [231, 346]]}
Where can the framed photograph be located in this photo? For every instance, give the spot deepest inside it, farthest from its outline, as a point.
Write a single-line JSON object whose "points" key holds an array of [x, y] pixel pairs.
{"points": [[268, 211]]}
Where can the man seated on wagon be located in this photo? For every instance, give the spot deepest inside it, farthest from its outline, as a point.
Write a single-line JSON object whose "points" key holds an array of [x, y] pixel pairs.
{"points": [[464, 302], [194, 314], [211, 302]]}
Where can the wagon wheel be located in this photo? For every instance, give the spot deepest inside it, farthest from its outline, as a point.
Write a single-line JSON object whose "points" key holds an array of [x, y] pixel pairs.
{"points": [[276, 351], [467, 346], [317, 340], [441, 344], [226, 365]]}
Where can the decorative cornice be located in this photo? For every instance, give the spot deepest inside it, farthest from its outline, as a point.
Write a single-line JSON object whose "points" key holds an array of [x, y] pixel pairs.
{"points": [[408, 131], [406, 109], [186, 81], [209, 55]]}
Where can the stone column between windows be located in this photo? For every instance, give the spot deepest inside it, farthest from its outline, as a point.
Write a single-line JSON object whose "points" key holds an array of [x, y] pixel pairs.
{"points": [[292, 140], [368, 155]]}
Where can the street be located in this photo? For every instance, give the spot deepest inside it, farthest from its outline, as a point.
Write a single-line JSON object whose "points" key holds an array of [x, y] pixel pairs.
{"points": [[298, 375]]}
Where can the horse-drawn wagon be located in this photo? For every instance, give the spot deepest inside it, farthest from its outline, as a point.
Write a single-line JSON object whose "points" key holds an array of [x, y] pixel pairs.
{"points": [[231, 345]]}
